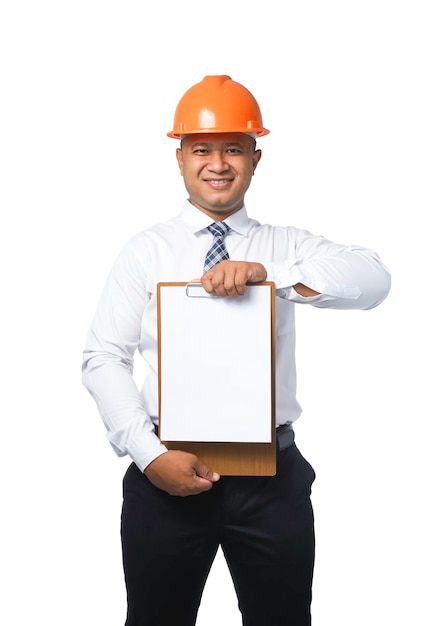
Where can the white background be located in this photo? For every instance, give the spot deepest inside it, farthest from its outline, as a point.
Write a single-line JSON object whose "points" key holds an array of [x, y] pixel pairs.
{"points": [[88, 91]]}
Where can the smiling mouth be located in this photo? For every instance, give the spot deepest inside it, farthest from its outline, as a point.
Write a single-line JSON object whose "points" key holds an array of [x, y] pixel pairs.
{"points": [[218, 182]]}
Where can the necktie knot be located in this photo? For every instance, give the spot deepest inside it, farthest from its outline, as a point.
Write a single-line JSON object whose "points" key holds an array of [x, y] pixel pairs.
{"points": [[217, 251], [219, 229]]}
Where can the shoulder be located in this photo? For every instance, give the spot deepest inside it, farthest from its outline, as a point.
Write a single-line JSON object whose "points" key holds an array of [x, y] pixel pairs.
{"points": [[154, 232], [276, 231]]}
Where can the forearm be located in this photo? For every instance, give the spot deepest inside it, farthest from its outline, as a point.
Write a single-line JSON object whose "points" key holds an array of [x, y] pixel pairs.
{"points": [[129, 428], [350, 279]]}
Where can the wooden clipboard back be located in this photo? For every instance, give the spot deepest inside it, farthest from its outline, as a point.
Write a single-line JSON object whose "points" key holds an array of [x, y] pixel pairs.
{"points": [[232, 458], [228, 458]]}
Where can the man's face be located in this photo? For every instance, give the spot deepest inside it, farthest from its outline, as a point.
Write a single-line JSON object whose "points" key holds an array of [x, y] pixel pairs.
{"points": [[217, 169]]}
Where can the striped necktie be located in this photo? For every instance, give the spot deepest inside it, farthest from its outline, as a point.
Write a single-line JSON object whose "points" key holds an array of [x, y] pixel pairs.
{"points": [[217, 252]]}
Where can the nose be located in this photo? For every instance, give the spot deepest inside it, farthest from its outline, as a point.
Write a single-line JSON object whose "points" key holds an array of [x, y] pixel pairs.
{"points": [[217, 163]]}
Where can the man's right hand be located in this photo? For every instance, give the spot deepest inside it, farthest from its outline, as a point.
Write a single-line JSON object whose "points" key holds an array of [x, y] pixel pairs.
{"points": [[180, 474]]}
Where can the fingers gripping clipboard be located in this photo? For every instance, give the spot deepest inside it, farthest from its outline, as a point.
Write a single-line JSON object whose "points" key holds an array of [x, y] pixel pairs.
{"points": [[216, 376]]}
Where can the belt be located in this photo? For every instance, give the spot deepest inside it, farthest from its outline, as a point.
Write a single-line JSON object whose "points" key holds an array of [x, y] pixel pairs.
{"points": [[285, 436]]}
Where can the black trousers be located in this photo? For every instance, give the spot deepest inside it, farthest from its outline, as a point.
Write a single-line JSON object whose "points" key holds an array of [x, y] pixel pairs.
{"points": [[264, 526]]}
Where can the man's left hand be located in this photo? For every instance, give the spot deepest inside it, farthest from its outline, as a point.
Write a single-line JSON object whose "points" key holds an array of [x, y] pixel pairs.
{"points": [[230, 278]]}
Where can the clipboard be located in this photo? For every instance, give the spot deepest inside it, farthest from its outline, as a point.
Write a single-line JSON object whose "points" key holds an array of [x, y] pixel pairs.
{"points": [[216, 376]]}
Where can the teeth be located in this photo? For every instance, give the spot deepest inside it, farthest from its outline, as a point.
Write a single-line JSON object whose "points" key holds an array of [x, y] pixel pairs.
{"points": [[218, 182]]}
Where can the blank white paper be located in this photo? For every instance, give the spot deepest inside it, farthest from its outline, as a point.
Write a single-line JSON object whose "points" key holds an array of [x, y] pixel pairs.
{"points": [[215, 366]]}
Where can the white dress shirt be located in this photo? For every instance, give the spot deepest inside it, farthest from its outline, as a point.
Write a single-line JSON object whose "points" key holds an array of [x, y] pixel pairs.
{"points": [[347, 277]]}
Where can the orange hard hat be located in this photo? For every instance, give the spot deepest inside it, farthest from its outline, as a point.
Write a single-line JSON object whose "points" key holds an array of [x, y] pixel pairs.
{"points": [[217, 105]]}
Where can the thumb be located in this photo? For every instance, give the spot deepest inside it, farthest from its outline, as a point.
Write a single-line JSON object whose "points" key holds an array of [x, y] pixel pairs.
{"points": [[203, 471]]}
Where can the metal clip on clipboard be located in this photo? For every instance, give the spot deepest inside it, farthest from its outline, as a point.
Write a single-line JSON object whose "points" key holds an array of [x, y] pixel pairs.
{"points": [[196, 290]]}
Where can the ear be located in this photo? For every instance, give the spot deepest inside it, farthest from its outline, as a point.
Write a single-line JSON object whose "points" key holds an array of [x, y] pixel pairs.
{"points": [[256, 158], [179, 158]]}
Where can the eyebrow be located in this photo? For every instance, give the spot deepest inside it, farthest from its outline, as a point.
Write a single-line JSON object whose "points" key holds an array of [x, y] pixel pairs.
{"points": [[211, 145]]}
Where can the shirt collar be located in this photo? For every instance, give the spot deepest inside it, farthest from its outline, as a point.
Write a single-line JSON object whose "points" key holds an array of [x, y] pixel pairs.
{"points": [[196, 220]]}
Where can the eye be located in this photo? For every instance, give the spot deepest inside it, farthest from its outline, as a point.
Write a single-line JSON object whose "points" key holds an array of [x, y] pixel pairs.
{"points": [[200, 150], [234, 150]]}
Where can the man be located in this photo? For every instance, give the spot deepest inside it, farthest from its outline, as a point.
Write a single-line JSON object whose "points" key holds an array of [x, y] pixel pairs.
{"points": [[177, 511]]}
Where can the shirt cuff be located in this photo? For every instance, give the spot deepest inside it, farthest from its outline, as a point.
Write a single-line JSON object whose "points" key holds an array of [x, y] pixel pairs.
{"points": [[146, 450]]}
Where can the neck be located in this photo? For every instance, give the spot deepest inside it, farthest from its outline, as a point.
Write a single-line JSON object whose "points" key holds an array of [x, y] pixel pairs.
{"points": [[217, 216]]}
